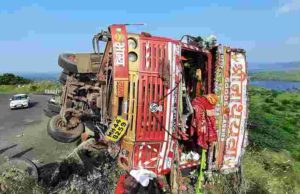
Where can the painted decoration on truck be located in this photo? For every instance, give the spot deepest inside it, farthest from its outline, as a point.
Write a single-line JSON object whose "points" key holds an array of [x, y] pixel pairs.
{"points": [[168, 146], [120, 50], [236, 131], [231, 109], [222, 90]]}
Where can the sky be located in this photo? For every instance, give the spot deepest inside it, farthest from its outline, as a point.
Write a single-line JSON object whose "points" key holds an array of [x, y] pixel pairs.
{"points": [[33, 33]]}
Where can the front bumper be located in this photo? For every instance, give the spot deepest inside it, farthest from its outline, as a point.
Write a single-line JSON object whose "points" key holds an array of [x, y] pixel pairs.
{"points": [[18, 106]]}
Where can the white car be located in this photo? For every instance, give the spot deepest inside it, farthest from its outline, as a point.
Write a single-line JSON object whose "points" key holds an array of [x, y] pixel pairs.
{"points": [[19, 101]]}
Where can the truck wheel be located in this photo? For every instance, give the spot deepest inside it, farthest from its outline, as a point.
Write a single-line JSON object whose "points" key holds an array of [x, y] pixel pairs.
{"points": [[63, 78], [59, 133], [66, 61], [25, 165]]}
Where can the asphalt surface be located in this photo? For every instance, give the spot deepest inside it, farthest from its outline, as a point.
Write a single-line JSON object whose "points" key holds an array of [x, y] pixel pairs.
{"points": [[13, 122]]}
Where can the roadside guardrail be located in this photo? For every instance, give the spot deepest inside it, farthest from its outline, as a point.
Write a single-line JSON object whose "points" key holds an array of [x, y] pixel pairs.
{"points": [[54, 92]]}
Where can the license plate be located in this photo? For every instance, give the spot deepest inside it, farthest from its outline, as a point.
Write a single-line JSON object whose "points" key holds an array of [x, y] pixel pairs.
{"points": [[116, 130]]}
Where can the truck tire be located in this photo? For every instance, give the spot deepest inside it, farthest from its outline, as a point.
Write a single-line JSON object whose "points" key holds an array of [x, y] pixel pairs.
{"points": [[63, 78], [25, 165], [64, 60], [57, 132], [54, 107]]}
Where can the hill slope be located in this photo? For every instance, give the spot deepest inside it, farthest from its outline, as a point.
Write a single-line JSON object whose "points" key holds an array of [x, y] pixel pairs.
{"points": [[272, 163], [283, 66], [277, 75]]}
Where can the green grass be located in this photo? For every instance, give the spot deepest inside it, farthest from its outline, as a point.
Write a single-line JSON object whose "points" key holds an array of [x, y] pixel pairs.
{"points": [[271, 163], [277, 75], [13, 180], [274, 120], [269, 171], [35, 87]]}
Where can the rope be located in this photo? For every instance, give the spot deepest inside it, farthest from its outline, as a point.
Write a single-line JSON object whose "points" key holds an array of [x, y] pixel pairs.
{"points": [[164, 127], [177, 84], [165, 96]]}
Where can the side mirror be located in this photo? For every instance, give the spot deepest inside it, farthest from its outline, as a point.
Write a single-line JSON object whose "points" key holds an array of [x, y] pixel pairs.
{"points": [[10, 99]]}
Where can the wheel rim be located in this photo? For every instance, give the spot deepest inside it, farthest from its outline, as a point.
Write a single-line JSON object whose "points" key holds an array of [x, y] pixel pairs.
{"points": [[60, 124]]}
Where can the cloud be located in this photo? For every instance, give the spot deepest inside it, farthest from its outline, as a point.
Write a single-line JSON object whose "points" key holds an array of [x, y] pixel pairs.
{"points": [[289, 6], [293, 40]]}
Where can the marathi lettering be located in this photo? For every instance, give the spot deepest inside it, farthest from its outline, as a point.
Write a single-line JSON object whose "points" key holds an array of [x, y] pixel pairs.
{"points": [[237, 116], [119, 53]]}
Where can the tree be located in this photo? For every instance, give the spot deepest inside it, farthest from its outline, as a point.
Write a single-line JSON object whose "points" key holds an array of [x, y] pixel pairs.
{"points": [[11, 79]]}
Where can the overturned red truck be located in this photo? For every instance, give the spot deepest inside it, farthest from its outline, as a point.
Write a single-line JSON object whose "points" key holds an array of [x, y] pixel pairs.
{"points": [[161, 104]]}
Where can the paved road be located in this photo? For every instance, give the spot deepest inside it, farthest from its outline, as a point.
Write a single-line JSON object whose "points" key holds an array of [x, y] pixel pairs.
{"points": [[12, 122]]}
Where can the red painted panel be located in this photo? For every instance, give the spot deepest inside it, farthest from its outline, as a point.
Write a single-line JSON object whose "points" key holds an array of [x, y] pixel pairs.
{"points": [[120, 51], [146, 155], [150, 126], [153, 56]]}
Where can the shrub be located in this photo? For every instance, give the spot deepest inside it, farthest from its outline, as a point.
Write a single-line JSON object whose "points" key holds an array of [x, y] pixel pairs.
{"points": [[271, 172], [285, 101], [11, 79], [13, 180], [269, 100]]}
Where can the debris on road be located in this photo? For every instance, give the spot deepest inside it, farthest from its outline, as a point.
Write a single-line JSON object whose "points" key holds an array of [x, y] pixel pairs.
{"points": [[20, 135]]}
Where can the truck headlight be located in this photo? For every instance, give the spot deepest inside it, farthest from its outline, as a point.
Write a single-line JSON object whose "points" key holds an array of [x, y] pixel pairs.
{"points": [[132, 56], [132, 43]]}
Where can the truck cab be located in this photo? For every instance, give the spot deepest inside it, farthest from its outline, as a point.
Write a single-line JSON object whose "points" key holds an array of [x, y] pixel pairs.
{"points": [[164, 103]]}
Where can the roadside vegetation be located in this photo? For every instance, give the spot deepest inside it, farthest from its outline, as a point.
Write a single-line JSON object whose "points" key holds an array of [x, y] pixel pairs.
{"points": [[14, 180], [10, 83], [276, 75], [11, 79], [271, 163], [33, 87]]}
